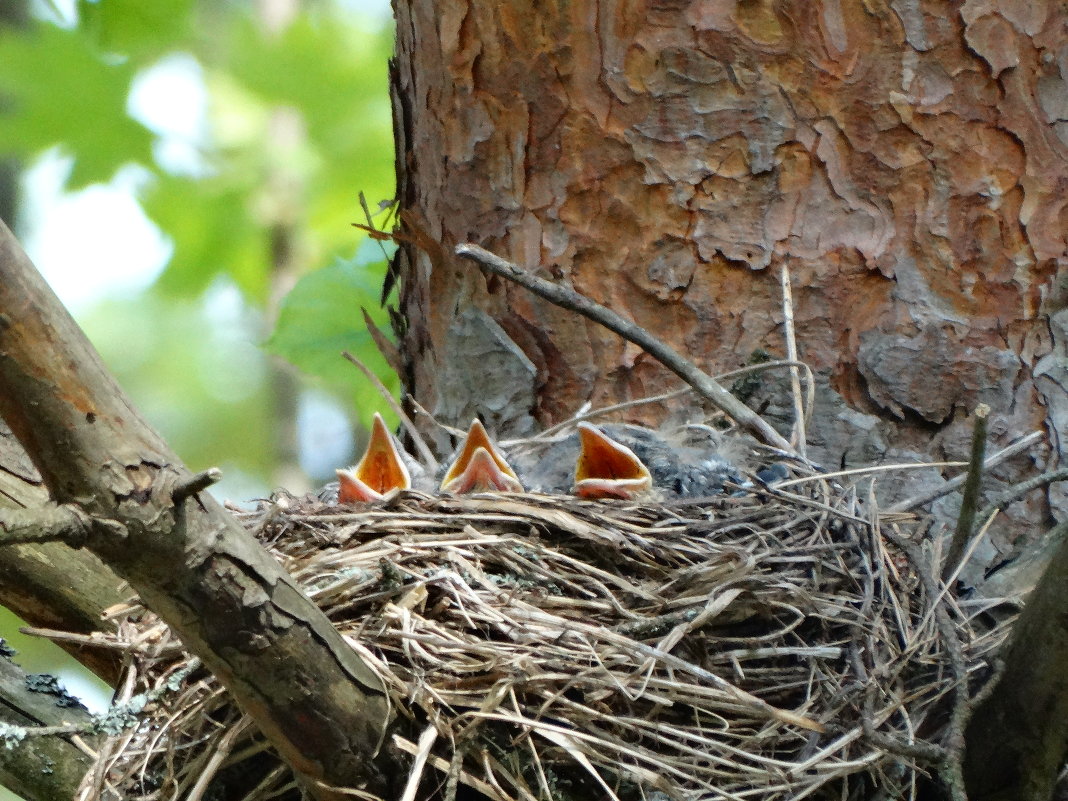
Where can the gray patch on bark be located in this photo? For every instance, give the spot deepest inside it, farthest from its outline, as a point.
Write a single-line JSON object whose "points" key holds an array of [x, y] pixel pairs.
{"points": [[912, 289], [1051, 379], [485, 375], [911, 15], [931, 372]]}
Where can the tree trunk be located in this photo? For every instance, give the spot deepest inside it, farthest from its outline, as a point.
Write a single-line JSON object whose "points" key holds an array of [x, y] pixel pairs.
{"points": [[906, 162], [667, 159], [1017, 738]]}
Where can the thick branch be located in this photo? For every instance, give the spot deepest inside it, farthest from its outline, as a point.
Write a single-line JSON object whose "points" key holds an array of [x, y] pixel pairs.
{"points": [[38, 768], [1018, 736], [48, 523], [682, 367], [51, 585], [319, 704]]}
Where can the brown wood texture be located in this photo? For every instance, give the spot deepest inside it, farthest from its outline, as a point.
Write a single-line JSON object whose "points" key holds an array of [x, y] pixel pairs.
{"points": [[51, 585], [1016, 740], [230, 602], [905, 159]]}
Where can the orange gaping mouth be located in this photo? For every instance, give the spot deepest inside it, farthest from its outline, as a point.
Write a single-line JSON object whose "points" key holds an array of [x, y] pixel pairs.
{"points": [[379, 471], [480, 467], [607, 469]]}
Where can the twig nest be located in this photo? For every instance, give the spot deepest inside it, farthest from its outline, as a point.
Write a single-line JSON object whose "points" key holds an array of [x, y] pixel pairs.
{"points": [[765, 646]]}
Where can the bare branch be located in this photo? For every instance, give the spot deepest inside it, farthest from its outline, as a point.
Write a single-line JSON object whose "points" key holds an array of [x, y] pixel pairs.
{"points": [[48, 523], [966, 520], [689, 372], [1017, 491], [230, 602], [930, 495]]}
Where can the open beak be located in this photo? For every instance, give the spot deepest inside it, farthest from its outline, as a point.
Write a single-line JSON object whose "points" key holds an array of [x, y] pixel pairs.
{"points": [[606, 469], [380, 470], [480, 467]]}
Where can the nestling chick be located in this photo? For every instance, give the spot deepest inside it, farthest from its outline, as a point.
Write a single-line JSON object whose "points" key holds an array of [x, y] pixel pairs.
{"points": [[626, 461], [479, 466], [380, 470], [614, 461]]}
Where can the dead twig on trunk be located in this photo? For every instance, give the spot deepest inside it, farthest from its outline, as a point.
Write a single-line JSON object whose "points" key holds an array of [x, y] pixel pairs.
{"points": [[689, 372]]}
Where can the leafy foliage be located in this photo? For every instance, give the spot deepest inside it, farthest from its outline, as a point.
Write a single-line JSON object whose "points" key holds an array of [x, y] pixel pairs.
{"points": [[137, 30], [59, 91], [321, 317], [298, 123]]}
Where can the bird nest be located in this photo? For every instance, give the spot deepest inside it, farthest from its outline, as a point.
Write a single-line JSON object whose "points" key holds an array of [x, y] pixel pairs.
{"points": [[764, 645]]}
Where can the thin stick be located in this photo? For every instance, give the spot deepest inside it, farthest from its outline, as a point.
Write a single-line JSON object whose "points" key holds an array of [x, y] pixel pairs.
{"points": [[966, 520], [791, 354], [933, 494], [1017, 491], [682, 367], [863, 471], [455, 433], [99, 639], [678, 393], [420, 445], [616, 407]]}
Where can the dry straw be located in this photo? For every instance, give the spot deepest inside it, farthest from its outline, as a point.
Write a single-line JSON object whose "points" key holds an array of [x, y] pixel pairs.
{"points": [[763, 645]]}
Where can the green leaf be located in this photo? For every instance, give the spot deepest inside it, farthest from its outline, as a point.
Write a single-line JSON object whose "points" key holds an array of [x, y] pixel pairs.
{"points": [[210, 223], [59, 91], [139, 29], [324, 65], [322, 316]]}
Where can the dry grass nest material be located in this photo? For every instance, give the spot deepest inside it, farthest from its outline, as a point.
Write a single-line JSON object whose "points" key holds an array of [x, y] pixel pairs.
{"points": [[769, 645]]}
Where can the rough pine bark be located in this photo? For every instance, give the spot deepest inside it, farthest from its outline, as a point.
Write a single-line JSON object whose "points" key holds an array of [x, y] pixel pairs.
{"points": [[905, 159]]}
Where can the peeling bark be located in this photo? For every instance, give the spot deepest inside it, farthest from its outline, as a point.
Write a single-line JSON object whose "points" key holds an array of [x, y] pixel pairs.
{"points": [[907, 160]]}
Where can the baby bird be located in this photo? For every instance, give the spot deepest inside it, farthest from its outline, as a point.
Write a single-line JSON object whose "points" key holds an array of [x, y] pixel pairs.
{"points": [[479, 466], [381, 469], [626, 461], [613, 461]]}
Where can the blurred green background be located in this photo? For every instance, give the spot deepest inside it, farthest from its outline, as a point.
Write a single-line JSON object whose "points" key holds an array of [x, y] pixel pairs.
{"points": [[186, 173]]}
